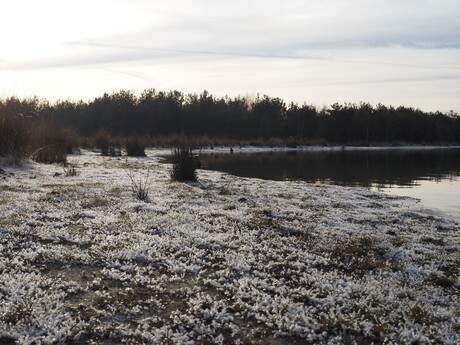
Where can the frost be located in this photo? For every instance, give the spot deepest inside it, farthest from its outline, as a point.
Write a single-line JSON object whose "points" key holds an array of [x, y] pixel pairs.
{"points": [[82, 261]]}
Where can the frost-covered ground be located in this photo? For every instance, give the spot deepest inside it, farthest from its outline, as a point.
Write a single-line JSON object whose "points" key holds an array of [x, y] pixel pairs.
{"points": [[227, 260]]}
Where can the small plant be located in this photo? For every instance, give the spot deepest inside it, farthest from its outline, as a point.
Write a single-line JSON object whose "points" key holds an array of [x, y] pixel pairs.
{"points": [[442, 280], [361, 253], [184, 164], [95, 201], [140, 186], [224, 191], [69, 169], [135, 147], [308, 238], [433, 241]]}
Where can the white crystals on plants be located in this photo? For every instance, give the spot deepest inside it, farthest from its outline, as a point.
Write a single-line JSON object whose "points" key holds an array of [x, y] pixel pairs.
{"points": [[293, 261]]}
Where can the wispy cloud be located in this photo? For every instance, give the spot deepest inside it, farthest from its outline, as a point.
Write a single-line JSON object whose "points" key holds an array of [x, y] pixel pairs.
{"points": [[293, 43]]}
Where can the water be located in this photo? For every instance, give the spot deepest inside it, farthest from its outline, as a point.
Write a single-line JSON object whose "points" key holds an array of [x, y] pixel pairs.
{"points": [[433, 176]]}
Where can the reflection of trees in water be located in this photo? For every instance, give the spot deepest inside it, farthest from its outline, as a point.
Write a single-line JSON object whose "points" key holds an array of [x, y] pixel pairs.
{"points": [[348, 168]]}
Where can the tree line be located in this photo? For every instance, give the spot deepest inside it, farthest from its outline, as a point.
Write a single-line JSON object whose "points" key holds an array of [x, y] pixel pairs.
{"points": [[159, 113]]}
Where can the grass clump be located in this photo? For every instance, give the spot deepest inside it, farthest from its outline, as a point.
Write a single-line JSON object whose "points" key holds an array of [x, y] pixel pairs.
{"points": [[104, 142], [135, 147], [94, 202], [70, 169], [433, 241], [184, 164], [361, 253], [50, 144], [140, 186], [14, 139], [442, 280]]}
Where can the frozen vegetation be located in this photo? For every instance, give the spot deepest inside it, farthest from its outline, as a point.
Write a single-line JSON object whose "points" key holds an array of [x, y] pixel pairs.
{"points": [[225, 260]]}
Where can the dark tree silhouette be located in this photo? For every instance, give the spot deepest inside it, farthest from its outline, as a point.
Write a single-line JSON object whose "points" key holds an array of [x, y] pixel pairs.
{"points": [[159, 113]]}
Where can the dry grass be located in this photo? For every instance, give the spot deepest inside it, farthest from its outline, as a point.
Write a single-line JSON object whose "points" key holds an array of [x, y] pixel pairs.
{"points": [[184, 164]]}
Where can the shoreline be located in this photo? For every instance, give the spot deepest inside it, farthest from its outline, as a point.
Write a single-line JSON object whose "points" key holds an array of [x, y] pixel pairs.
{"points": [[248, 149], [335, 148]]}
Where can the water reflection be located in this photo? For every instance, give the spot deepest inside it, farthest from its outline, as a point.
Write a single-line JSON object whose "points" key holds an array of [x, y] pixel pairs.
{"points": [[381, 169]]}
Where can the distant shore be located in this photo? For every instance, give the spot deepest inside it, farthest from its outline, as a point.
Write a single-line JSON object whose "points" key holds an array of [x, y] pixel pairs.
{"points": [[162, 151]]}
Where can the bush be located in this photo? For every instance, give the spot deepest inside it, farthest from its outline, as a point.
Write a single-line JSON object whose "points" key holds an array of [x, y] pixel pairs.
{"points": [[135, 147], [292, 142], [184, 164], [14, 138], [50, 144], [72, 140], [102, 141]]}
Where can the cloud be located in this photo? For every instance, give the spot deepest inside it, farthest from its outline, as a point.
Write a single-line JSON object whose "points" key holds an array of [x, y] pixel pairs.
{"points": [[290, 29], [295, 44], [305, 30], [395, 80]]}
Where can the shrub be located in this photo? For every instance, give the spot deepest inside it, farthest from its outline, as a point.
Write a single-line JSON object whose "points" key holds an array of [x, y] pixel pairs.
{"points": [[49, 144], [135, 147], [292, 142], [72, 140], [49, 155], [14, 138], [102, 141], [184, 164]]}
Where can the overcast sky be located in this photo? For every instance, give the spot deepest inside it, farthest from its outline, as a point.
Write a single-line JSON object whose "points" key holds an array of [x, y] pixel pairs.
{"points": [[398, 52]]}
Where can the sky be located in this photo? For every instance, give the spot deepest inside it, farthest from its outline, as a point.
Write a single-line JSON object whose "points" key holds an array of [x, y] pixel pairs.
{"points": [[396, 52]]}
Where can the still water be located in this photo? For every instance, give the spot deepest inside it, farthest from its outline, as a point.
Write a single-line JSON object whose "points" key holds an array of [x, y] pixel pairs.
{"points": [[433, 176]]}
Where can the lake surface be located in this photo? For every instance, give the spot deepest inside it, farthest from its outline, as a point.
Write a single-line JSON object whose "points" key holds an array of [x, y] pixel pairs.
{"points": [[433, 176]]}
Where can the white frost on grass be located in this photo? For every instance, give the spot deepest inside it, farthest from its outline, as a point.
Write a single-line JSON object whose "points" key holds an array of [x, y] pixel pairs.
{"points": [[226, 260], [32, 309]]}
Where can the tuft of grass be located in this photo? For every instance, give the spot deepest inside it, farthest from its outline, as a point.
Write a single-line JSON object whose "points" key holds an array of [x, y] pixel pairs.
{"points": [[96, 201], [135, 147], [50, 144], [69, 169], [224, 191], [400, 241], [184, 164], [361, 253], [263, 219], [49, 155], [140, 186], [21, 311], [329, 324], [442, 281], [419, 314], [308, 238], [116, 190], [14, 139], [102, 141], [435, 241]]}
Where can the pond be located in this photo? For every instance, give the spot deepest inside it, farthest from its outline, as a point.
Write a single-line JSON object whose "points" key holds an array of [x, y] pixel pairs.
{"points": [[433, 176]]}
